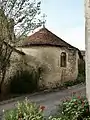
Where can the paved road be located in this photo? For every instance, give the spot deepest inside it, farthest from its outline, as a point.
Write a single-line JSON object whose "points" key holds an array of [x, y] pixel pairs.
{"points": [[50, 100]]}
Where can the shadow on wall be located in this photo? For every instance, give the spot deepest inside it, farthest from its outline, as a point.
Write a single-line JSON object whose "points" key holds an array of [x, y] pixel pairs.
{"points": [[25, 81], [27, 76]]}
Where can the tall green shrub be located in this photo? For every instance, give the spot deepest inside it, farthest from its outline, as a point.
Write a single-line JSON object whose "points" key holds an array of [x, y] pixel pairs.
{"points": [[24, 81]]}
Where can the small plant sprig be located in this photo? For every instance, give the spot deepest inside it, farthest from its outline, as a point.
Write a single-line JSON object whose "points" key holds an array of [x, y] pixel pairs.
{"points": [[25, 110]]}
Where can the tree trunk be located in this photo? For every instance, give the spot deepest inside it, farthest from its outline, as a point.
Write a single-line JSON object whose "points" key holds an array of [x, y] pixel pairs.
{"points": [[2, 81]]}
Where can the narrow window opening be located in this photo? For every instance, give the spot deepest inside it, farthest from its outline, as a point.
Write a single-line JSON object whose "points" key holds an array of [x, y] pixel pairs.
{"points": [[63, 59]]}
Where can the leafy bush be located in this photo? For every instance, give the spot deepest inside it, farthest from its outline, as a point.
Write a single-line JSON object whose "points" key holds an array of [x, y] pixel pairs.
{"points": [[76, 108], [80, 79], [60, 118], [64, 117], [26, 111], [68, 83], [24, 82]]}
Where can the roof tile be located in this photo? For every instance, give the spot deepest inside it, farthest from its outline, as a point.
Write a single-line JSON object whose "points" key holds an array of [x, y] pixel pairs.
{"points": [[45, 37]]}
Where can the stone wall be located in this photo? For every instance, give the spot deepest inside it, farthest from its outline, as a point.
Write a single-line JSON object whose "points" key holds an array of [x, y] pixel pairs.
{"points": [[47, 58], [15, 64]]}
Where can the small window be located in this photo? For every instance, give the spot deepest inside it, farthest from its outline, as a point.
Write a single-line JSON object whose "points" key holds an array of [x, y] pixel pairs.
{"points": [[63, 59]]}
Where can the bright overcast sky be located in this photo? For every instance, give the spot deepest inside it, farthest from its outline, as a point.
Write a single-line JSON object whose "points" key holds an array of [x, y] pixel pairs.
{"points": [[65, 18]]}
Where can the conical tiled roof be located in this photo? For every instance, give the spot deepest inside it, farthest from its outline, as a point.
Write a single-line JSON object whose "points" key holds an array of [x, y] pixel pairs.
{"points": [[45, 37]]}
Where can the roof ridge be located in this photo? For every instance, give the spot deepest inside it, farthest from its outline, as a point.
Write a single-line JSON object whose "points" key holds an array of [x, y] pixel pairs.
{"points": [[46, 37]]}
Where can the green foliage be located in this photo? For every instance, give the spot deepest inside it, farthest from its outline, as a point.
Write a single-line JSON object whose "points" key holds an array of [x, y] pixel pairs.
{"points": [[23, 13], [80, 79], [25, 110], [76, 108], [68, 83], [62, 117], [17, 19], [72, 83], [25, 82]]}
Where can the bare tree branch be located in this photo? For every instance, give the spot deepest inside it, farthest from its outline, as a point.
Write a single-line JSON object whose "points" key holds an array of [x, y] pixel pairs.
{"points": [[17, 17]]}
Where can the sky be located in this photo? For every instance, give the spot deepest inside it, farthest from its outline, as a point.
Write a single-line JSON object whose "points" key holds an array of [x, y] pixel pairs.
{"points": [[65, 18]]}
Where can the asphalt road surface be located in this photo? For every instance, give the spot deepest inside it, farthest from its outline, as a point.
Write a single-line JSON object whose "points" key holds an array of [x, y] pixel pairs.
{"points": [[49, 100]]}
